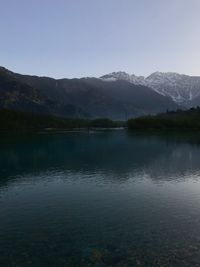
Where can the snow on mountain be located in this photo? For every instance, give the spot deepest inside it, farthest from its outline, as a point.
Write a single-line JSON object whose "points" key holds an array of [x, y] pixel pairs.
{"points": [[125, 76], [182, 89]]}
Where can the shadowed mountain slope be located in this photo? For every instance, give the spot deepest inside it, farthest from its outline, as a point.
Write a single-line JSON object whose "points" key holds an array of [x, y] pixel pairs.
{"points": [[86, 97]]}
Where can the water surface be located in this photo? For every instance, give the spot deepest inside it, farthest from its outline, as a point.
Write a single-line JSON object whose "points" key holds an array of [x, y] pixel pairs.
{"points": [[100, 199]]}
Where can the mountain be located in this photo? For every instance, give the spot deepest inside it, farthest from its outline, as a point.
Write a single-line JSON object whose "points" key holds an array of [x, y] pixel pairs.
{"points": [[182, 89], [17, 94], [121, 75], [85, 97], [133, 100]]}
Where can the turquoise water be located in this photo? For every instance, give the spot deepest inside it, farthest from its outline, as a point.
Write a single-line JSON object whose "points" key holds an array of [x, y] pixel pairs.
{"points": [[100, 199]]}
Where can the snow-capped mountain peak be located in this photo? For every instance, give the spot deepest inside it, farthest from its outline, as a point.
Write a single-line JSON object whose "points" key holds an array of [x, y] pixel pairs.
{"points": [[121, 75], [183, 89]]}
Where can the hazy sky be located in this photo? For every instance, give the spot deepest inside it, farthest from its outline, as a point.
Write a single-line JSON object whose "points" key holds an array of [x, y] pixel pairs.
{"points": [[74, 38]]}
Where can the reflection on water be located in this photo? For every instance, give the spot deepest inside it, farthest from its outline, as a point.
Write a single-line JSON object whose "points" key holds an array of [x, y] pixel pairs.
{"points": [[100, 199]]}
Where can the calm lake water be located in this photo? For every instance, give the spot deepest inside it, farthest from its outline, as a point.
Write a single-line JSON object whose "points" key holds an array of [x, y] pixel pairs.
{"points": [[100, 199]]}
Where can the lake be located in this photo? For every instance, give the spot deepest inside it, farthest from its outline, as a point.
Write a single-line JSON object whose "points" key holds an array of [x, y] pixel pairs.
{"points": [[100, 199]]}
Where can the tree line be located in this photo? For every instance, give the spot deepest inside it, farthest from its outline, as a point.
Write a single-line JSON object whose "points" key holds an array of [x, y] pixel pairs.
{"points": [[12, 120], [179, 119]]}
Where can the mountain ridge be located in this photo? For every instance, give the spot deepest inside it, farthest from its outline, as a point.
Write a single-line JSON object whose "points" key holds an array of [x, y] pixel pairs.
{"points": [[83, 97], [181, 88]]}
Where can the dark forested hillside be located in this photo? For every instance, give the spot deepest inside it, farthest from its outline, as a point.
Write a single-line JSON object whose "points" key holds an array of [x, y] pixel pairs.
{"points": [[188, 119], [11, 120], [82, 98], [17, 94], [17, 121]]}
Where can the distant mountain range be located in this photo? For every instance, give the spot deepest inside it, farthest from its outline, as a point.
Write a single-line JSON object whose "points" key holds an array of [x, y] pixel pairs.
{"points": [[182, 89], [118, 99], [117, 95]]}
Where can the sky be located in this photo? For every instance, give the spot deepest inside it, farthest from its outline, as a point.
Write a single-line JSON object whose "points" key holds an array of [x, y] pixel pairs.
{"points": [[78, 38]]}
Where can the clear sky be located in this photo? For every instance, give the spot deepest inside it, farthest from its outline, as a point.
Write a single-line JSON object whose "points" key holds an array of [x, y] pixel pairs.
{"points": [[75, 38]]}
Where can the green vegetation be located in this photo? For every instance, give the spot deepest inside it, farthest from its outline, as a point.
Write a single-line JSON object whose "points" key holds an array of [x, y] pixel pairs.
{"points": [[26, 121], [106, 123], [11, 120], [180, 119], [18, 121]]}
